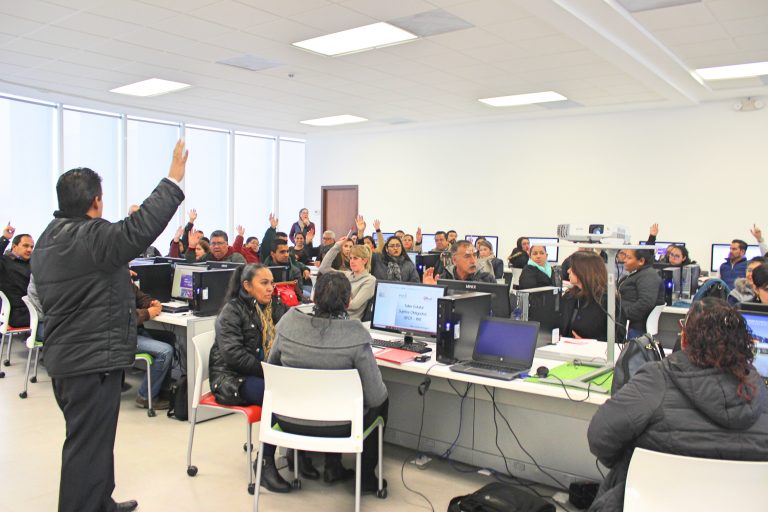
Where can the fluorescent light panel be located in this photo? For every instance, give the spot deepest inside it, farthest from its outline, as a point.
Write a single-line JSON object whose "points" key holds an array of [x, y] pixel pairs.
{"points": [[334, 120], [523, 99], [151, 87], [735, 71], [357, 39]]}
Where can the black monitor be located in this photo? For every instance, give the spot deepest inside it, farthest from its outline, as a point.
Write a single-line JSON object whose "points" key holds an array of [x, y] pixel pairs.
{"points": [[407, 308], [223, 265], [500, 299], [425, 261], [550, 243], [492, 239], [155, 280], [720, 253], [661, 247], [210, 291], [279, 273], [757, 307], [168, 259]]}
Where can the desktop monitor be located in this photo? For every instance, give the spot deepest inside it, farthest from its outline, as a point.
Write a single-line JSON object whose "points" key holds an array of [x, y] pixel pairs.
{"points": [[493, 240], [182, 286], [155, 279], [210, 291], [407, 308], [661, 247], [720, 253], [222, 265], [758, 324], [425, 261], [427, 242], [412, 256], [549, 243], [383, 234], [279, 273], [500, 300], [169, 259]]}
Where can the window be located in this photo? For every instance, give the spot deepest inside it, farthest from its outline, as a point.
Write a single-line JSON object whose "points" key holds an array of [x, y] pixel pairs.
{"points": [[291, 188], [27, 178], [253, 183], [207, 179]]}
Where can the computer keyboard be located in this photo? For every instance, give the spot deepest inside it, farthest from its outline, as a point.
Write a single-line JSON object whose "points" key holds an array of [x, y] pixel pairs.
{"points": [[487, 366], [416, 346]]}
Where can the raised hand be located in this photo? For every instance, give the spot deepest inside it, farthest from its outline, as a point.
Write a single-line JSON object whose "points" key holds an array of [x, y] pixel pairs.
{"points": [[8, 231], [654, 229], [273, 220], [179, 161], [360, 223], [177, 235], [192, 216], [756, 232], [310, 236], [429, 276], [194, 238], [240, 230], [376, 224], [342, 239]]}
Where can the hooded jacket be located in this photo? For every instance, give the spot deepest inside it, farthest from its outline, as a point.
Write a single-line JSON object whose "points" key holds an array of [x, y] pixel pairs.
{"points": [[305, 341], [640, 292], [742, 291], [675, 407]]}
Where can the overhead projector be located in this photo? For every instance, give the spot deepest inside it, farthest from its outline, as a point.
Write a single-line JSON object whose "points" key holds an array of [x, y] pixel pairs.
{"points": [[594, 233]]}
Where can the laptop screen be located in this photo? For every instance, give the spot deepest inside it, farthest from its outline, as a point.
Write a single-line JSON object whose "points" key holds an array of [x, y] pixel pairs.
{"points": [[758, 324], [512, 342]]}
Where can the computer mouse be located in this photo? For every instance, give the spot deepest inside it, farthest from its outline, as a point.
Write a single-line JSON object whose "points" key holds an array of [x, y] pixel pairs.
{"points": [[542, 372]]}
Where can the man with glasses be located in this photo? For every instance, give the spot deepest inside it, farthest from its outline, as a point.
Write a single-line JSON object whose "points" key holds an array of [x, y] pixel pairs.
{"points": [[220, 248], [464, 267]]}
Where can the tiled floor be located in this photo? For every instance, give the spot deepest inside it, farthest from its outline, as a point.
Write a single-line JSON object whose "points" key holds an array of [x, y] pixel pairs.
{"points": [[150, 463]]}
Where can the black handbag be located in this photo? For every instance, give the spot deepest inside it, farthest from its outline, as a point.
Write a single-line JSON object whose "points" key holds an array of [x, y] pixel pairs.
{"points": [[499, 497], [637, 352]]}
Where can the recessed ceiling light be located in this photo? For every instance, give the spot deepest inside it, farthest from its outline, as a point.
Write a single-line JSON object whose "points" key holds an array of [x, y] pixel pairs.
{"points": [[151, 87], [648, 5], [735, 71], [523, 99], [334, 120], [357, 39]]}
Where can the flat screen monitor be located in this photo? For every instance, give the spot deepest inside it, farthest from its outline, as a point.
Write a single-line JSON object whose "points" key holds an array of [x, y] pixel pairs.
{"points": [[168, 259], [758, 324], [182, 287], [661, 247], [720, 253], [412, 255], [493, 240], [549, 243], [222, 265], [279, 274], [383, 234], [425, 261], [210, 291], [500, 300], [427, 242], [407, 308], [155, 280]]}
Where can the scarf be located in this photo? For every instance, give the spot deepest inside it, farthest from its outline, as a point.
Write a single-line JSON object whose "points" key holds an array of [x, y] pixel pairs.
{"points": [[547, 268], [393, 271], [267, 327]]}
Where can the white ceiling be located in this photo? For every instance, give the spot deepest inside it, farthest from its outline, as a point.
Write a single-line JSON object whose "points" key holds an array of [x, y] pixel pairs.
{"points": [[593, 51]]}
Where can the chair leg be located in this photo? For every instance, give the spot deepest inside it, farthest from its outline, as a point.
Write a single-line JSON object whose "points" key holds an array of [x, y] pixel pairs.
{"points": [[7, 361], [358, 467], [150, 411], [191, 470], [2, 344], [23, 394], [381, 457], [249, 452], [259, 462], [296, 480], [37, 359]]}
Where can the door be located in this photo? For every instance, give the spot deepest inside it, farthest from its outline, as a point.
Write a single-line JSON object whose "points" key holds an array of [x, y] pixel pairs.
{"points": [[339, 205]]}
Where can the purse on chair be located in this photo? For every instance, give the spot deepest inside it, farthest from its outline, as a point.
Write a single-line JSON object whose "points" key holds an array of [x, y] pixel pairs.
{"points": [[286, 292]]}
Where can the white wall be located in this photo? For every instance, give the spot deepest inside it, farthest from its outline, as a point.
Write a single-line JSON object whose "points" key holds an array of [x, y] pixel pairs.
{"points": [[700, 172]]}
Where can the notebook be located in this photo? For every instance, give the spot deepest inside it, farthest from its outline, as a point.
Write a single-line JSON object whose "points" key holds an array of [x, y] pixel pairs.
{"points": [[504, 349]]}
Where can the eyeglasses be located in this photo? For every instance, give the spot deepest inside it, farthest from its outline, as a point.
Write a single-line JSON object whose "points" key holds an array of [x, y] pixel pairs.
{"points": [[217, 243], [395, 246]]}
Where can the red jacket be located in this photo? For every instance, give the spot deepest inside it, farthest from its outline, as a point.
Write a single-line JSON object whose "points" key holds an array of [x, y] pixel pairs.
{"points": [[248, 254]]}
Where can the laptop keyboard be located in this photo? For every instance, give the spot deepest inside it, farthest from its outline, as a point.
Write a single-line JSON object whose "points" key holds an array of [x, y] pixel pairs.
{"points": [[416, 346], [492, 367]]}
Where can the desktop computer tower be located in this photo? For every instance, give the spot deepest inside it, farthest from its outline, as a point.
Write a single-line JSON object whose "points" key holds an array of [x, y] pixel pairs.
{"points": [[458, 318], [209, 291], [541, 305], [689, 281], [671, 278]]}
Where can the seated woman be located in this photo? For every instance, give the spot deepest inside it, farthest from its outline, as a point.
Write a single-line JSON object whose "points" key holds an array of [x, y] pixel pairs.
{"points": [[245, 333], [760, 280], [538, 271], [340, 261], [486, 260], [393, 264], [640, 290], [706, 400], [582, 307], [363, 283], [676, 256], [302, 251], [328, 339], [519, 257]]}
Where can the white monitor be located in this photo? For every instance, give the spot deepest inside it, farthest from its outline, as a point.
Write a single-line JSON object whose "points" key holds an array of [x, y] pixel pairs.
{"points": [[427, 242], [720, 253], [182, 281], [549, 243], [408, 308], [493, 240]]}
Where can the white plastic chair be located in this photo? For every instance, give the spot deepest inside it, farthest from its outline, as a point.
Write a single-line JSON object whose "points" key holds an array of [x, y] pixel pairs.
{"points": [[516, 273], [726, 482], [203, 343], [6, 331], [33, 344], [314, 395], [652, 323]]}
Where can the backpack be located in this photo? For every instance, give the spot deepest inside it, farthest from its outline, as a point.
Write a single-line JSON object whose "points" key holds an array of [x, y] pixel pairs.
{"points": [[286, 292], [499, 497], [179, 408], [637, 352], [713, 288]]}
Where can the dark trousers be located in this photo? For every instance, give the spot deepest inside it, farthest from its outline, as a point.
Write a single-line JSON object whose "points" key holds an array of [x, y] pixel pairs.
{"points": [[90, 404], [252, 391]]}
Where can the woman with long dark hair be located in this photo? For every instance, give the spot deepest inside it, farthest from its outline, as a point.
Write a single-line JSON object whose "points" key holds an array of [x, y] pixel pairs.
{"points": [[760, 280], [583, 306], [705, 401], [519, 257], [245, 333], [393, 264], [329, 340]]}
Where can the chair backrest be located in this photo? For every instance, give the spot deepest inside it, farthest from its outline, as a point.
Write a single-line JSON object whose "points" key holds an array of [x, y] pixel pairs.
{"points": [[698, 484], [652, 323], [516, 273], [5, 312], [34, 320], [203, 343], [317, 395]]}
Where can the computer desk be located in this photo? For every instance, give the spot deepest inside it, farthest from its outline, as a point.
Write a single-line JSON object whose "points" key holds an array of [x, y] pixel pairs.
{"points": [[552, 428]]}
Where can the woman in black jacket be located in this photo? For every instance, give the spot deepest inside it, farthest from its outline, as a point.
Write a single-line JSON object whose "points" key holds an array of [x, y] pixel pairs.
{"points": [[582, 307], [245, 331], [705, 401], [393, 264], [640, 290], [519, 257], [538, 272]]}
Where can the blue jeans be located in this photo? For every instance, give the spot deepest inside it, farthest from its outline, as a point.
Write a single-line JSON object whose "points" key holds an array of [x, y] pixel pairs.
{"points": [[162, 353]]}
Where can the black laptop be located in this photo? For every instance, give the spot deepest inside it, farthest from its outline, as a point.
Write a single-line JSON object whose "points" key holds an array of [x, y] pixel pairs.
{"points": [[504, 349]]}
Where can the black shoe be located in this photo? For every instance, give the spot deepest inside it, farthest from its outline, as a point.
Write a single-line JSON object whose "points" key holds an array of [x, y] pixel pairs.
{"points": [[127, 506], [336, 472], [306, 468], [270, 477], [370, 485]]}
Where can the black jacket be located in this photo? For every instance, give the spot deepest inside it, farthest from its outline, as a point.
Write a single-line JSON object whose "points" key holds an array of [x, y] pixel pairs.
{"points": [[675, 407], [532, 277], [81, 273], [14, 280], [483, 277], [640, 292], [518, 259], [585, 317], [238, 350], [380, 265]]}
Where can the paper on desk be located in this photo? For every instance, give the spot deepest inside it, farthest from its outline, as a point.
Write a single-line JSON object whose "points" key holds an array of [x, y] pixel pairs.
{"points": [[576, 341]]}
